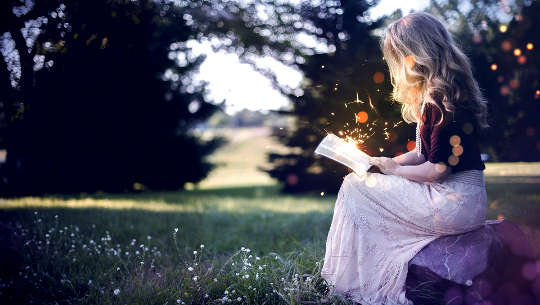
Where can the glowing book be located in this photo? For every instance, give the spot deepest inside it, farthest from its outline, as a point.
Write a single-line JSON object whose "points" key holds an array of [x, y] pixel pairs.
{"points": [[346, 153]]}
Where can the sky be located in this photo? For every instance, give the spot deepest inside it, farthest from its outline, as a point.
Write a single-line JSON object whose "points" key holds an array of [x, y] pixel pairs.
{"points": [[250, 89]]}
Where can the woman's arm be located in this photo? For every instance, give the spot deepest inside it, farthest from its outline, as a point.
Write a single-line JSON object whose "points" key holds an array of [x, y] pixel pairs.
{"points": [[425, 172], [410, 158]]}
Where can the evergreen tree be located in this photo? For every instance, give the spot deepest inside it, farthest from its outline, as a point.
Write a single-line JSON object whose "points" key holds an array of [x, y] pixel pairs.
{"points": [[506, 63], [346, 91]]}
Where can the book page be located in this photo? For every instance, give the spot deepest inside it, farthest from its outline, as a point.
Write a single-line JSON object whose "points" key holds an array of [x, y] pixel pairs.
{"points": [[346, 153]]}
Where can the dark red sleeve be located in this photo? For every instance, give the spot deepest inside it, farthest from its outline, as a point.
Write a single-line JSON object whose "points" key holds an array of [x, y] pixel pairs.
{"points": [[440, 148]]}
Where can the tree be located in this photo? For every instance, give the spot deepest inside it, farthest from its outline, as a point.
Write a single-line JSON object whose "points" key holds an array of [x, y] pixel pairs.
{"points": [[99, 104], [506, 64], [346, 91]]}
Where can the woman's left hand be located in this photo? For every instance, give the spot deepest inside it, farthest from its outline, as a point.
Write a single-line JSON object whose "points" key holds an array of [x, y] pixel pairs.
{"points": [[387, 165]]}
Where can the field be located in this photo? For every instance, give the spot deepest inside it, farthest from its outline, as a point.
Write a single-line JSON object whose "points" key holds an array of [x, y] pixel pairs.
{"points": [[234, 241]]}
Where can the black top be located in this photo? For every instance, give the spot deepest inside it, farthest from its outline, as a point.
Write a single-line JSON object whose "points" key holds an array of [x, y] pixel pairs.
{"points": [[454, 143]]}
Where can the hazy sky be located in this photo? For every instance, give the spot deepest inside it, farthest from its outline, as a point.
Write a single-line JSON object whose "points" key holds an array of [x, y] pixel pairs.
{"points": [[243, 87]]}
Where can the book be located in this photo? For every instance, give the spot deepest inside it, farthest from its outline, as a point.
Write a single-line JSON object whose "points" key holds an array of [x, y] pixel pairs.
{"points": [[344, 152]]}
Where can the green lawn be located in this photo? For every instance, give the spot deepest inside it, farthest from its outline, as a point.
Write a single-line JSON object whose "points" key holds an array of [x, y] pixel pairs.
{"points": [[80, 248]]}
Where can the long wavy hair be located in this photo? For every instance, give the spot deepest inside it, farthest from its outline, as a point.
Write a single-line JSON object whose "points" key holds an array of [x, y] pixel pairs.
{"points": [[426, 64]]}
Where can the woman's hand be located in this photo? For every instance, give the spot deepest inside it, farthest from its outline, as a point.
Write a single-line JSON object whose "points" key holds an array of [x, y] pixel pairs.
{"points": [[387, 165]]}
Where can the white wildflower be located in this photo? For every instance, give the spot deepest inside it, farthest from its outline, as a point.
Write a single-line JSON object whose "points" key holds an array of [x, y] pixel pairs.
{"points": [[194, 252], [116, 291], [202, 246], [190, 268]]}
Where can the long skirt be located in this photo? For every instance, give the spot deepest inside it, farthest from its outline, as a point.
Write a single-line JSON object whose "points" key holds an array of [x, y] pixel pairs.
{"points": [[381, 222]]}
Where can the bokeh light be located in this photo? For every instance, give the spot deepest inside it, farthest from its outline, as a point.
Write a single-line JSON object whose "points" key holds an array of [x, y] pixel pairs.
{"points": [[361, 117], [378, 77], [457, 150], [453, 160], [455, 140], [514, 83], [494, 67], [468, 128], [506, 45], [530, 46], [505, 90], [517, 52], [522, 59], [411, 145], [503, 28]]}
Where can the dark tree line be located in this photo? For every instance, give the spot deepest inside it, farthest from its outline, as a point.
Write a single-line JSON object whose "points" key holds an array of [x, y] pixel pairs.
{"points": [[354, 65], [96, 99]]}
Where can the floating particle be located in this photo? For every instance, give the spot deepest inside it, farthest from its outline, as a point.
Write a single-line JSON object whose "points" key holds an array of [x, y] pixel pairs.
{"points": [[361, 117], [378, 77], [506, 45], [494, 67], [453, 160], [455, 140]]}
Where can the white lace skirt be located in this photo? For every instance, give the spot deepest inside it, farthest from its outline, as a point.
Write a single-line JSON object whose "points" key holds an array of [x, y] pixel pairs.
{"points": [[381, 221]]}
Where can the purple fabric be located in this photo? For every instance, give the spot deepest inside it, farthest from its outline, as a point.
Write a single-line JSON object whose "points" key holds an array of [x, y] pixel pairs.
{"points": [[494, 264]]}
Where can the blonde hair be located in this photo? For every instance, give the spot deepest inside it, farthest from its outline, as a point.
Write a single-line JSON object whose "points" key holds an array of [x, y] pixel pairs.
{"points": [[426, 64]]}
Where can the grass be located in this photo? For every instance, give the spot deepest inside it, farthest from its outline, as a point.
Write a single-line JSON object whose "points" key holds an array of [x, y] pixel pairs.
{"points": [[253, 245]]}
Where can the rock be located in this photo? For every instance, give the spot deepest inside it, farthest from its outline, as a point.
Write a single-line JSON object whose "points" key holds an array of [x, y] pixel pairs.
{"points": [[490, 264]]}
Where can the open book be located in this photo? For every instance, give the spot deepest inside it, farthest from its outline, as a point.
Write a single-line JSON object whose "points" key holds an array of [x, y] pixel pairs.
{"points": [[346, 153]]}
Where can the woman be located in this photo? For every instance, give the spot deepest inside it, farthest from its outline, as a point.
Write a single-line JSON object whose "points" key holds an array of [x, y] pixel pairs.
{"points": [[381, 221]]}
